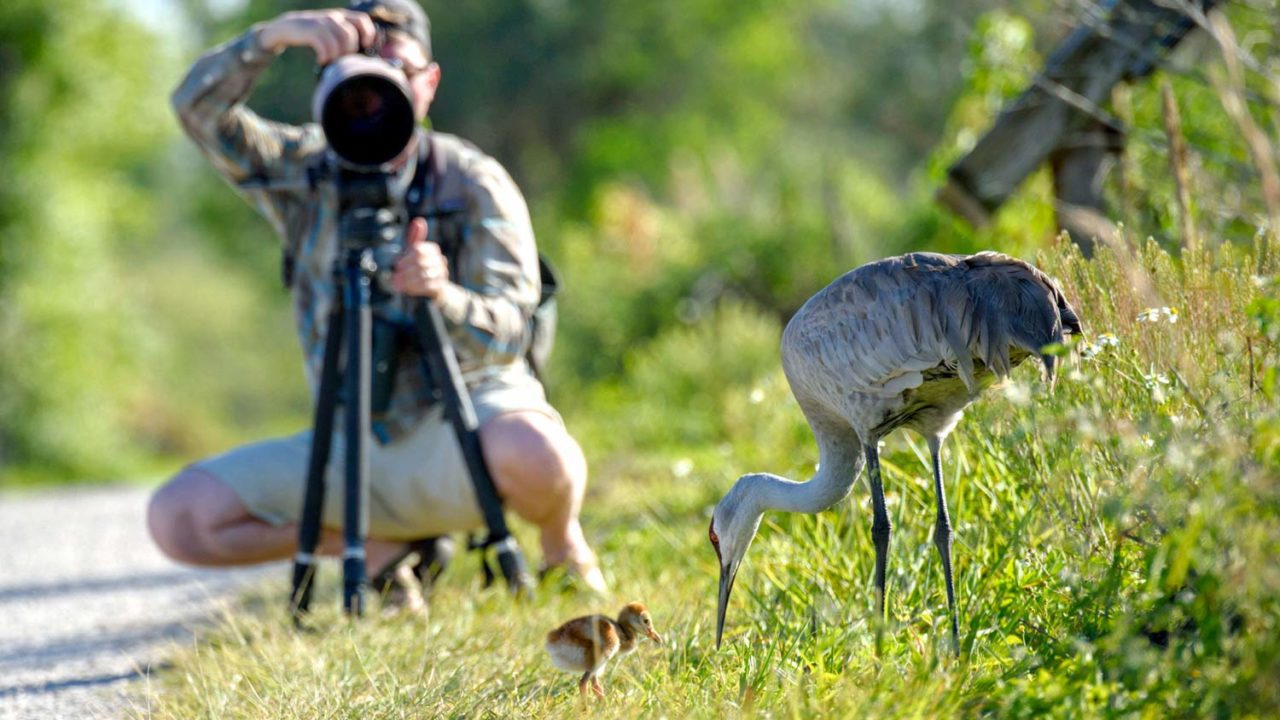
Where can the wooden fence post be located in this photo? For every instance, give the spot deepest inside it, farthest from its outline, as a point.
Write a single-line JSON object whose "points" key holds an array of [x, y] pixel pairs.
{"points": [[1059, 118]]}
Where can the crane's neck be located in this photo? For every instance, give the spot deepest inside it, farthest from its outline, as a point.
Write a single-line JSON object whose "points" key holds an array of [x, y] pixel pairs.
{"points": [[626, 637], [828, 486]]}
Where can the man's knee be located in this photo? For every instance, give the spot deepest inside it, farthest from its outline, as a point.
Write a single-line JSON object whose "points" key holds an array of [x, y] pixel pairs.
{"points": [[181, 512], [535, 452]]}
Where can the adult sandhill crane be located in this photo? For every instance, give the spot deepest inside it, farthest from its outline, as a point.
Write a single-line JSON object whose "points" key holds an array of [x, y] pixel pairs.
{"points": [[902, 342]]}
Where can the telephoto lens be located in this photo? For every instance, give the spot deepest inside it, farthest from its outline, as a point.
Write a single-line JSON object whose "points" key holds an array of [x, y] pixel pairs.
{"points": [[365, 107]]}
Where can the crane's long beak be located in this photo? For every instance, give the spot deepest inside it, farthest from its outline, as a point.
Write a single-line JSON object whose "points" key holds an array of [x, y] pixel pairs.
{"points": [[727, 574]]}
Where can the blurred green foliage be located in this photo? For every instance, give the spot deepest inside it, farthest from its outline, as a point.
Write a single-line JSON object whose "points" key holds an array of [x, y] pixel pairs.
{"points": [[130, 334], [77, 187], [696, 171]]}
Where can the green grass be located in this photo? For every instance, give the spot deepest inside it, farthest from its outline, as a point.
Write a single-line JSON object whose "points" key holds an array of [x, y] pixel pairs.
{"points": [[1115, 554]]}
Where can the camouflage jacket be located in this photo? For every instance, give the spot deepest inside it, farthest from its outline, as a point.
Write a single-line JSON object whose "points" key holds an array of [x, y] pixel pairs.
{"points": [[495, 282]]}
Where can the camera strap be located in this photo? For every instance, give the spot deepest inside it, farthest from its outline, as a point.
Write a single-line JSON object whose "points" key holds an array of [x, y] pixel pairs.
{"points": [[433, 196], [436, 193]]}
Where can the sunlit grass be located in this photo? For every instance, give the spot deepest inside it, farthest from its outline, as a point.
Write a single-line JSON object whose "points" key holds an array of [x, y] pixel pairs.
{"points": [[1115, 545]]}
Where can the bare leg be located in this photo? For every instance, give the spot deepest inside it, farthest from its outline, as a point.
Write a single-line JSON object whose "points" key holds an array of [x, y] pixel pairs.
{"points": [[198, 520], [582, 683], [541, 473], [942, 537], [597, 687], [881, 528]]}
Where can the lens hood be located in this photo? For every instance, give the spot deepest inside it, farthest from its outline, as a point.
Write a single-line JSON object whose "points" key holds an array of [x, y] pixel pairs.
{"points": [[365, 107]]}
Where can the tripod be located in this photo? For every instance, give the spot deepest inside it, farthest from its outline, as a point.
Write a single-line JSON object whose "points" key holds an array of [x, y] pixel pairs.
{"points": [[367, 226]]}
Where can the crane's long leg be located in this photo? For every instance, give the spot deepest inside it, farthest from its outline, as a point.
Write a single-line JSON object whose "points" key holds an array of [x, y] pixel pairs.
{"points": [[880, 526], [942, 537]]}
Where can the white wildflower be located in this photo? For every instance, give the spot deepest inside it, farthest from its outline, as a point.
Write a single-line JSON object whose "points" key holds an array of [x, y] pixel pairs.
{"points": [[1157, 384], [1090, 350], [756, 397], [682, 467], [1154, 380], [1159, 315]]}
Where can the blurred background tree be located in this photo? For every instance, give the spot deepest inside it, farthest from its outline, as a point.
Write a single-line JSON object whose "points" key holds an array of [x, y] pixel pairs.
{"points": [[80, 151], [695, 169]]}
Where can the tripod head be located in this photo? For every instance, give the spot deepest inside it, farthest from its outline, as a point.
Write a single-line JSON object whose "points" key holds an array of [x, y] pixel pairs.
{"points": [[372, 218]]}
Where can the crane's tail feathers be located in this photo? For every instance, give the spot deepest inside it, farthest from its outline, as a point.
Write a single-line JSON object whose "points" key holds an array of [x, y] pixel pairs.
{"points": [[1050, 364], [1014, 304], [1070, 321], [1068, 324]]}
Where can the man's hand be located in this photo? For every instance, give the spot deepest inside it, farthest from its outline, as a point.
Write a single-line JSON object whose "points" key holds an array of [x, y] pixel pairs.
{"points": [[421, 269], [330, 33]]}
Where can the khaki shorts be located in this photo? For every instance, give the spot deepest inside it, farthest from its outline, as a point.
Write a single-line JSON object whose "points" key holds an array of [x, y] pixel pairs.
{"points": [[418, 484]]}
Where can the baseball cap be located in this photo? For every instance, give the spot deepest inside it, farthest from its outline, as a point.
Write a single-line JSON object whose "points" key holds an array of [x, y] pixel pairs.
{"points": [[405, 16]]}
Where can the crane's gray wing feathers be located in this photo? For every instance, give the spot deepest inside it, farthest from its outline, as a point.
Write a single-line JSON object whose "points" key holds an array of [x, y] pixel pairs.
{"points": [[874, 331]]}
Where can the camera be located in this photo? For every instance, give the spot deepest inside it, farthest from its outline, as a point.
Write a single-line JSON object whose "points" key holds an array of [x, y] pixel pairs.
{"points": [[365, 106]]}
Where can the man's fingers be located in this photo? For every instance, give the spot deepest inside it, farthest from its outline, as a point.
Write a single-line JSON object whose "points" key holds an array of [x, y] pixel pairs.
{"points": [[325, 43], [343, 39], [334, 34], [420, 254], [348, 35], [366, 30], [417, 231], [330, 33], [421, 269]]}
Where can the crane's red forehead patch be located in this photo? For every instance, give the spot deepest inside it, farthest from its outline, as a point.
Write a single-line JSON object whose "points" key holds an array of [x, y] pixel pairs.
{"points": [[711, 535]]}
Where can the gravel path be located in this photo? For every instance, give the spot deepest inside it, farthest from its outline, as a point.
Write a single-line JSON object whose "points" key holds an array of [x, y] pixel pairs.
{"points": [[88, 605]]}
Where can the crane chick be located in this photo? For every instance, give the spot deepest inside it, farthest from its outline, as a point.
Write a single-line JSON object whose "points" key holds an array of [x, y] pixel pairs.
{"points": [[908, 342], [587, 643]]}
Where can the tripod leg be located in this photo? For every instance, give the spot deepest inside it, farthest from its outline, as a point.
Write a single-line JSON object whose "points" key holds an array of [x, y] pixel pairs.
{"points": [[442, 366], [356, 508], [321, 443]]}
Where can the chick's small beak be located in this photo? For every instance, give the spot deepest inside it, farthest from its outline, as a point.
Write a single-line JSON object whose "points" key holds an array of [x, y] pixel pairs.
{"points": [[654, 636], [727, 574]]}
